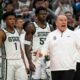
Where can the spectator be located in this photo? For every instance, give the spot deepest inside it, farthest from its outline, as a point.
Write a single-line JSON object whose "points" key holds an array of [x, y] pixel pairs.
{"points": [[63, 6], [19, 24], [9, 7], [25, 12], [71, 21], [77, 22], [51, 14], [24, 3]]}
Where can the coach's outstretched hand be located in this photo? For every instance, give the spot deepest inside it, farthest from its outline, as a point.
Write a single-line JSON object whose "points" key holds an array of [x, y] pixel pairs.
{"points": [[38, 54]]}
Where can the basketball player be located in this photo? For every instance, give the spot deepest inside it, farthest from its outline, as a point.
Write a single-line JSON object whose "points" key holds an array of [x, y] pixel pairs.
{"points": [[9, 37], [42, 29], [28, 27]]}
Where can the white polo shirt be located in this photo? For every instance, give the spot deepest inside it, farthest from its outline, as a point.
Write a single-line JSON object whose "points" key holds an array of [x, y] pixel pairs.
{"points": [[77, 33], [62, 50]]}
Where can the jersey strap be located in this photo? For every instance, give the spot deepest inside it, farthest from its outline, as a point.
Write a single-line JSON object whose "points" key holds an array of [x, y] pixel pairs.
{"points": [[27, 42]]}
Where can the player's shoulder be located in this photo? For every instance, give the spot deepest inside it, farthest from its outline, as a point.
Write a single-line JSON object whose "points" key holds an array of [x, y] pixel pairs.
{"points": [[51, 27], [2, 34], [1, 31]]}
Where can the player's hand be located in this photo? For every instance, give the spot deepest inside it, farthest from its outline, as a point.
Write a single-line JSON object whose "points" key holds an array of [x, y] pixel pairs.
{"points": [[27, 70], [32, 67], [37, 54]]}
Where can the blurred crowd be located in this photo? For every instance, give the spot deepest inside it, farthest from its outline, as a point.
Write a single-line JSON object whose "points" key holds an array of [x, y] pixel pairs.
{"points": [[26, 9]]}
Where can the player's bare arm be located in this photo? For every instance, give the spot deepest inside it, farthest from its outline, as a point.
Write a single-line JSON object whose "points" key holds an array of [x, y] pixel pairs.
{"points": [[28, 50], [30, 30], [22, 56], [2, 37]]}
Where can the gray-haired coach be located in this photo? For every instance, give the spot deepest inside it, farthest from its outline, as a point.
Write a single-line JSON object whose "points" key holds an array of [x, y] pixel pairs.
{"points": [[61, 45]]}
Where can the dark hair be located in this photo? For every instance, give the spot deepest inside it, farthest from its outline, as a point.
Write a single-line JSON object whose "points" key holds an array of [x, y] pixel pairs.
{"points": [[5, 15], [77, 17], [8, 4], [39, 9], [25, 25], [19, 17], [34, 2], [55, 18]]}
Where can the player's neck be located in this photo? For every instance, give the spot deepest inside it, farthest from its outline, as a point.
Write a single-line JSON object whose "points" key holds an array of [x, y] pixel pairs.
{"points": [[41, 24], [10, 29]]}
